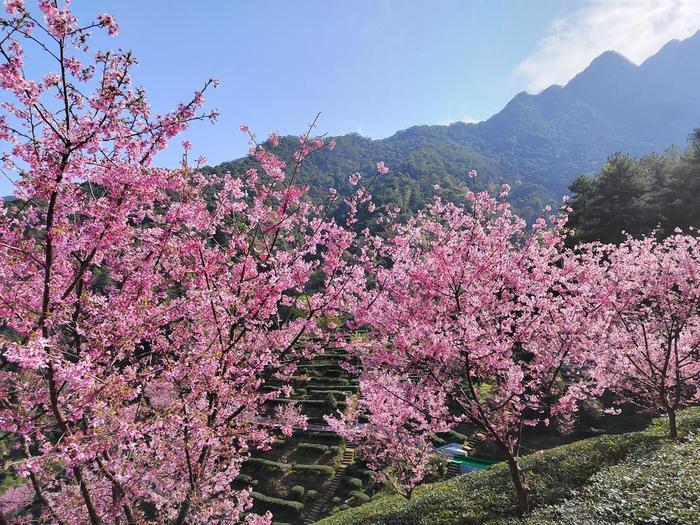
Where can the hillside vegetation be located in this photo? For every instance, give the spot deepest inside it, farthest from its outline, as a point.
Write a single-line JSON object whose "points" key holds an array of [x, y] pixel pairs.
{"points": [[638, 477], [638, 195]]}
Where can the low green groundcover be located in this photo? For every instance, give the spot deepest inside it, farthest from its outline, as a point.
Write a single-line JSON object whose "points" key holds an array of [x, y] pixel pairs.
{"points": [[635, 478], [658, 486]]}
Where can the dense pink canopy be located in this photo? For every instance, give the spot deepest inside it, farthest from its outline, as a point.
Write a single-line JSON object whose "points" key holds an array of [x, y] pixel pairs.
{"points": [[142, 308], [652, 356], [474, 318]]}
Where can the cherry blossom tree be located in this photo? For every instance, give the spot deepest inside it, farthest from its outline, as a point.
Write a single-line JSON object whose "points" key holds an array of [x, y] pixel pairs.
{"points": [[142, 309], [395, 437], [653, 353], [472, 317]]}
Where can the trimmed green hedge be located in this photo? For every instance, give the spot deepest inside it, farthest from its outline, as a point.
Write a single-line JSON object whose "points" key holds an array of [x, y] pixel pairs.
{"points": [[316, 382], [313, 446], [297, 492], [359, 472], [312, 402], [243, 478], [353, 483], [328, 438], [325, 392], [267, 464], [359, 496], [319, 469], [279, 503]]}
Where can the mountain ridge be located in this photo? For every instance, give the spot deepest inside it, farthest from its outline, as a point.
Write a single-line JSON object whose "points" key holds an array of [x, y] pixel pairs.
{"points": [[538, 143]]}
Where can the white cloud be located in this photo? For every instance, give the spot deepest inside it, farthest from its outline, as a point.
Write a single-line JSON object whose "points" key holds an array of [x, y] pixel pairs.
{"points": [[449, 119], [635, 28], [468, 119]]}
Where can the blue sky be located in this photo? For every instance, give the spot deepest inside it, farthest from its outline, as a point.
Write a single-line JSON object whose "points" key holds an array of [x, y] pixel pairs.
{"points": [[370, 66]]}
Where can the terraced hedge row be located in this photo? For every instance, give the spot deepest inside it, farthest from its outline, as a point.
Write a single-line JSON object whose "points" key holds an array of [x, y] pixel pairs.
{"points": [[288, 478]]}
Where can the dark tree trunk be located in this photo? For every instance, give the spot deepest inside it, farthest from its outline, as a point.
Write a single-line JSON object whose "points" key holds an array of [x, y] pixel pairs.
{"points": [[672, 425], [521, 488]]}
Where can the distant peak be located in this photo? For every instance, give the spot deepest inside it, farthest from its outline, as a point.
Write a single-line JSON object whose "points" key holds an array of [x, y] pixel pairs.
{"points": [[607, 65], [610, 58]]}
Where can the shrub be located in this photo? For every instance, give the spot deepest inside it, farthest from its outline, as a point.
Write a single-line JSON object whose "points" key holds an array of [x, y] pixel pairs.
{"points": [[456, 437], [337, 381], [335, 388], [652, 486], [329, 438], [331, 401], [311, 494], [297, 492], [243, 478], [590, 413], [318, 469], [307, 453], [437, 468], [437, 441], [313, 446], [353, 483], [359, 497], [279, 503], [486, 497], [283, 401], [267, 463], [338, 393], [365, 474]]}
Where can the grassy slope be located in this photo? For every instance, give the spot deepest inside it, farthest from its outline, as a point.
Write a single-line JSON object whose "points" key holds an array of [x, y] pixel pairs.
{"points": [[657, 487], [487, 497]]}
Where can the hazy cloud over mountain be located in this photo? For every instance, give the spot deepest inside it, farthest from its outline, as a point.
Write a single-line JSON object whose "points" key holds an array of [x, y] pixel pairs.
{"points": [[635, 28]]}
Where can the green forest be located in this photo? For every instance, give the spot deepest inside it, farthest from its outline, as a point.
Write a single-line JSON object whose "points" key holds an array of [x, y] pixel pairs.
{"points": [[657, 192]]}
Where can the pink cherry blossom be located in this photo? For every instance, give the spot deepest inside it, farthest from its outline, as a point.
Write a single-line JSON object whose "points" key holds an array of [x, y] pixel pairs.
{"points": [[651, 354], [15, 499], [143, 308], [274, 139], [108, 22], [471, 310], [14, 7]]}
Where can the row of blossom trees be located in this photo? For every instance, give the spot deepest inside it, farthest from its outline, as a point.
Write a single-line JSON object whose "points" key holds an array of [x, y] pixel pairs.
{"points": [[473, 317], [143, 309]]}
